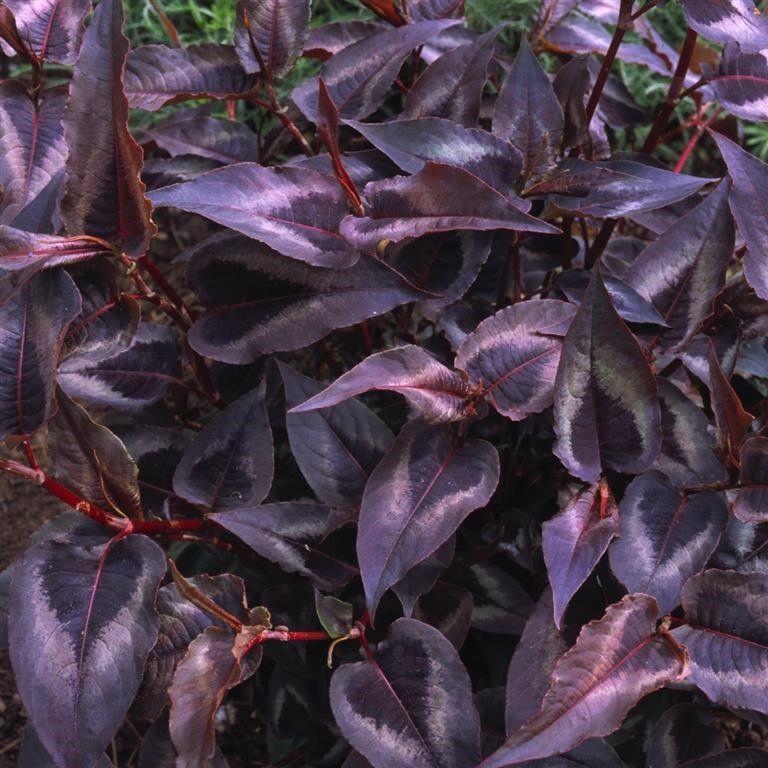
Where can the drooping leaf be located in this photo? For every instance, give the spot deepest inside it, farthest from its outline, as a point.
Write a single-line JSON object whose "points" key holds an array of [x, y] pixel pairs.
{"points": [[417, 496], [681, 735], [515, 355], [411, 705], [336, 448], [731, 420], [607, 412], [574, 541], [616, 661], [423, 577], [83, 623], [229, 464], [742, 83], [260, 301], [727, 636], [293, 210], [751, 503], [32, 327], [726, 21], [328, 39], [665, 537]]}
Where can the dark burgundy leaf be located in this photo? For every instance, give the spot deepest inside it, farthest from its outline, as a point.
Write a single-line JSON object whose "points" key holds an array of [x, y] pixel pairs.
{"points": [[96, 598], [593, 753], [157, 749], [261, 301], [296, 211], [32, 147], [733, 758], [515, 355], [616, 661], [607, 412], [727, 636], [680, 735], [742, 84], [571, 86], [362, 166], [726, 21], [229, 464], [32, 327], [359, 76], [528, 113], [410, 706], [335, 615], [336, 448], [574, 541], [156, 75], [665, 537], [277, 28], [751, 504], [731, 420], [41, 214], [327, 40], [449, 609], [33, 754], [423, 577], [289, 534], [417, 496]]}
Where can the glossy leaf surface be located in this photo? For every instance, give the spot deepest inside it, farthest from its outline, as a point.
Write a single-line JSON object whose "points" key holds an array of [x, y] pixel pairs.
{"points": [[742, 84], [724, 21]]}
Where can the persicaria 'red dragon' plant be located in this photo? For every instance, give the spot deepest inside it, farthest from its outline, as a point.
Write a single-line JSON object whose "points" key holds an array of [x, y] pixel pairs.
{"points": [[549, 509]]}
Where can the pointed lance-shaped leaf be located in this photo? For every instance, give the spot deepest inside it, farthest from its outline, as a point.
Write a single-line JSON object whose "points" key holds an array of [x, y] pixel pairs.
{"points": [[726, 21], [727, 637], [574, 541], [742, 83], [417, 496], [359, 76], [607, 412], [665, 537], [296, 211], [83, 621], [731, 420], [410, 704], [515, 355], [259, 301], [437, 393], [336, 448], [32, 328], [616, 661], [682, 734], [104, 194], [230, 462], [751, 503], [328, 39], [528, 113]]}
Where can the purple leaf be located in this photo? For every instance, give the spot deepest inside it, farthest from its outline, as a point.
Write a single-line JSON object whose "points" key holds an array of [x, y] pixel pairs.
{"points": [[296, 211], [437, 393], [277, 28], [607, 412], [32, 327], [32, 147], [359, 76], [742, 85], [229, 464], [571, 85], [328, 39], [156, 76], [289, 534], [260, 301], [157, 750], [5, 587], [574, 541], [528, 113], [94, 597], [423, 10], [410, 705], [726, 21], [33, 754], [682, 288], [727, 637], [681, 734], [423, 577], [449, 609], [515, 355], [417, 496], [665, 537], [336, 448], [751, 504], [747, 757], [104, 194], [616, 661]]}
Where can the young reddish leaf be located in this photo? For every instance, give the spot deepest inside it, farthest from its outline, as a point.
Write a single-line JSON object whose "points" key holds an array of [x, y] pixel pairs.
{"points": [[277, 28], [682, 288], [607, 412], [157, 76], [680, 735], [452, 86], [336, 448], [32, 147], [104, 194], [726, 21], [742, 85], [296, 211], [32, 327], [727, 637], [574, 541], [417, 496], [616, 661], [423, 577], [437, 393], [260, 302], [665, 537], [229, 464], [515, 355], [290, 534], [95, 599], [731, 420], [409, 705], [528, 113], [359, 76], [751, 504]]}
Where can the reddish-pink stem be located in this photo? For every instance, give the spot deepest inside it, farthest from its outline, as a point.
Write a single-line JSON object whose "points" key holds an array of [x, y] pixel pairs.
{"points": [[167, 288]]}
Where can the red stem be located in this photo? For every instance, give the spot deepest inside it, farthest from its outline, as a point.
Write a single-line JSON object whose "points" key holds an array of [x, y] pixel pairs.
{"points": [[167, 288], [694, 140]]}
